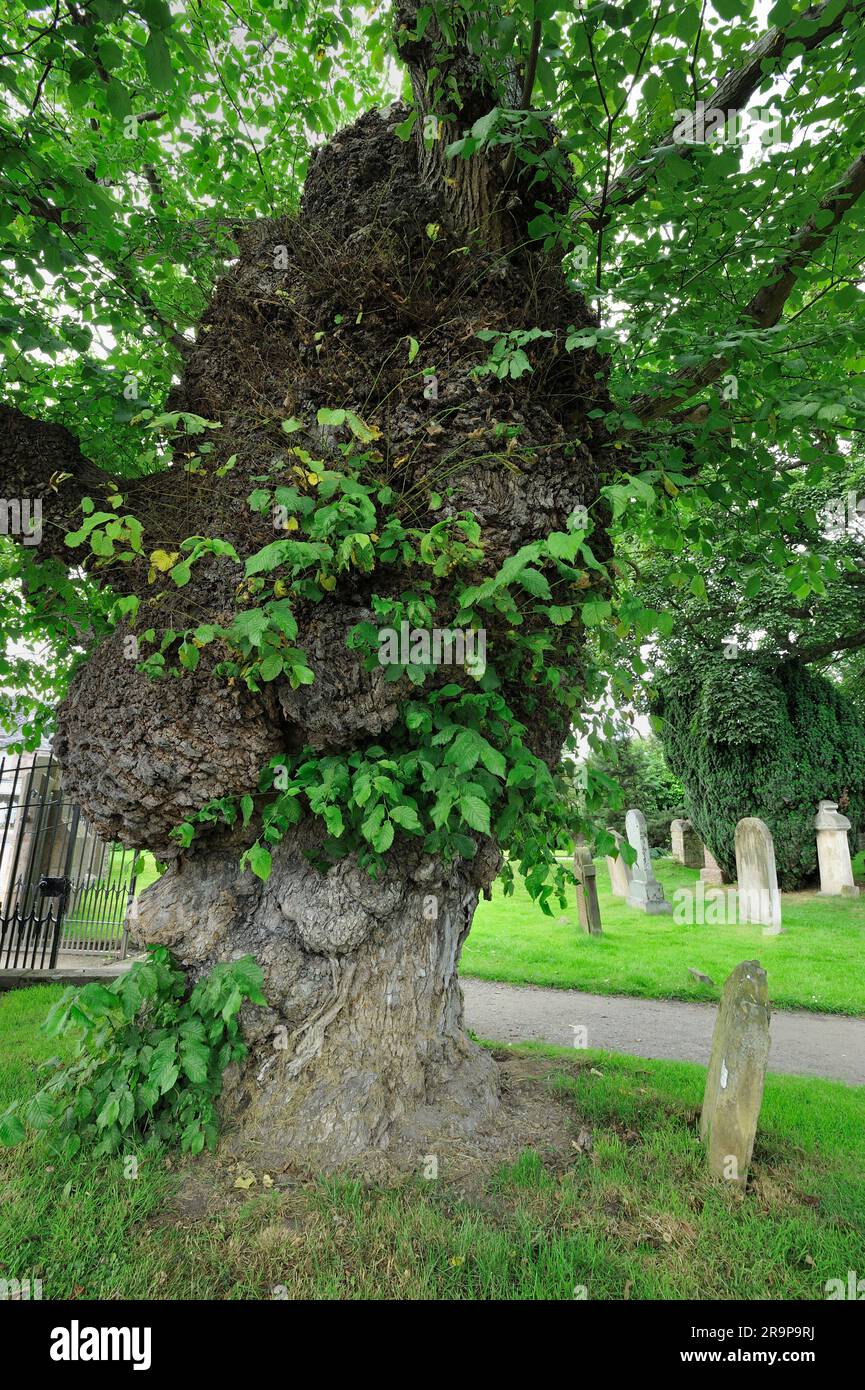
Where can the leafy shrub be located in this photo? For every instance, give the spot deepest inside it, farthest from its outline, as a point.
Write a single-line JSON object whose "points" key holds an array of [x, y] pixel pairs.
{"points": [[148, 1061], [752, 737]]}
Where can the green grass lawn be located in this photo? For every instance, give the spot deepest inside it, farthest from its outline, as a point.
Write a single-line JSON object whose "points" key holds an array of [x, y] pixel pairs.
{"points": [[636, 1217], [817, 963]]}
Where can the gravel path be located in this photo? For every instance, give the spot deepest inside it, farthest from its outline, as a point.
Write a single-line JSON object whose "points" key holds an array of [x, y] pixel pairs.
{"points": [[802, 1043]]}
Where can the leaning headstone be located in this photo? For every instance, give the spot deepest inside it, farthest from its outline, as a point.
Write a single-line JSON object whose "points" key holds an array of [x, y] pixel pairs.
{"points": [[645, 892], [710, 873], [692, 847], [833, 852], [756, 876], [677, 835], [619, 871], [587, 891], [737, 1071]]}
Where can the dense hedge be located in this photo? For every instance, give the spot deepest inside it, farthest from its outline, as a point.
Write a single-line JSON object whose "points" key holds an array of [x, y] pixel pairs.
{"points": [[748, 737]]}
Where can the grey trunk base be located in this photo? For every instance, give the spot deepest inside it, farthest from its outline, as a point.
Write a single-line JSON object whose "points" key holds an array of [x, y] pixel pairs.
{"points": [[363, 1047]]}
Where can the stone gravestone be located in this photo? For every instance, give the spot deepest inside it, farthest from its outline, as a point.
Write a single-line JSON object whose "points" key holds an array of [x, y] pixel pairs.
{"points": [[645, 892], [619, 871], [692, 847], [587, 891], [710, 874], [833, 852], [757, 879], [677, 835], [737, 1071]]}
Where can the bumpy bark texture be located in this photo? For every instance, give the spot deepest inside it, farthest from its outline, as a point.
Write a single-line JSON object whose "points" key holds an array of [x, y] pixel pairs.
{"points": [[363, 1047], [42, 461], [185, 742], [320, 311]]}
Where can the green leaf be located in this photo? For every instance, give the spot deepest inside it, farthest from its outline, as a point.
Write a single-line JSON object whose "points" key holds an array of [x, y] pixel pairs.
{"points": [[194, 1059], [383, 839], [270, 667], [595, 612], [260, 861], [405, 816], [11, 1129], [535, 583], [475, 813], [157, 61], [41, 1112], [464, 752]]}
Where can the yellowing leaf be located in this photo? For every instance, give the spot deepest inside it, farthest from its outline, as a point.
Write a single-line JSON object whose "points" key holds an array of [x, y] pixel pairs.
{"points": [[162, 560]]}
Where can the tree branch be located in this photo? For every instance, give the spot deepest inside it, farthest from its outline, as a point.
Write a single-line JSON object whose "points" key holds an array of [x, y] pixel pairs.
{"points": [[730, 95], [851, 643], [765, 308]]}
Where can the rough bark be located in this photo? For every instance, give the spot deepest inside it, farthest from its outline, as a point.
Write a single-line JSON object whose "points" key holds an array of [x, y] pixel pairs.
{"points": [[363, 1048], [319, 312], [42, 461]]}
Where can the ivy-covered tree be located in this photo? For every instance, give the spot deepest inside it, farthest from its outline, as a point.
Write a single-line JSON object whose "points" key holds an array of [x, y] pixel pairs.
{"points": [[766, 739], [293, 384], [756, 684]]}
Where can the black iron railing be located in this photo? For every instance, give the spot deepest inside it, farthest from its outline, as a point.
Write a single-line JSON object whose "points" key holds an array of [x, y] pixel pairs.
{"points": [[62, 889]]}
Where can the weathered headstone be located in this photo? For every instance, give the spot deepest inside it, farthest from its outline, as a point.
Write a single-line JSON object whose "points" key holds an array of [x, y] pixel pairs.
{"points": [[587, 891], [737, 1071], [687, 847], [619, 871], [756, 876], [692, 847], [710, 874], [645, 891], [833, 852]]}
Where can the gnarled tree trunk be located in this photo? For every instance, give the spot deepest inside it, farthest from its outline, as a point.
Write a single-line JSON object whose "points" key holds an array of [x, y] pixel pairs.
{"points": [[363, 1045]]}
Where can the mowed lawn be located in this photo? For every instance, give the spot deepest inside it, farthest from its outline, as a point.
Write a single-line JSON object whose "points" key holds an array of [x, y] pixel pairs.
{"points": [[632, 1215], [817, 963]]}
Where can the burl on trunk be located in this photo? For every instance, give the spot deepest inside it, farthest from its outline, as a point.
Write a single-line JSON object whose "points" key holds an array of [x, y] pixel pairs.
{"points": [[363, 1046]]}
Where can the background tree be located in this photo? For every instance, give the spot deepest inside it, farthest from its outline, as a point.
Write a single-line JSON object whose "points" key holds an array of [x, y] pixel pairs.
{"points": [[638, 775], [763, 739], [491, 327], [754, 683]]}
